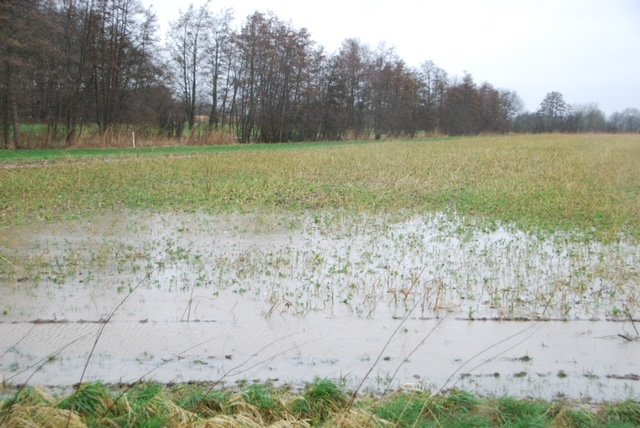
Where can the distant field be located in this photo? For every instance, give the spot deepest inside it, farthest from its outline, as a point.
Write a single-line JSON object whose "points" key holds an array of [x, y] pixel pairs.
{"points": [[584, 183], [35, 155]]}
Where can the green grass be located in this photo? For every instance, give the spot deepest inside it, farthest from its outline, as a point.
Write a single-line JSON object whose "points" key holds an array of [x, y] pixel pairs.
{"points": [[582, 183], [151, 405], [320, 400], [39, 155], [90, 399]]}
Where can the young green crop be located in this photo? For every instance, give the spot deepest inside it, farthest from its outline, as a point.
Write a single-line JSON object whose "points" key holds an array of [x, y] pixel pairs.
{"points": [[584, 183]]}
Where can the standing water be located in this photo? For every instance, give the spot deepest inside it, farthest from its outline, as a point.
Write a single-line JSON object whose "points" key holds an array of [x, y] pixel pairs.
{"points": [[425, 302]]}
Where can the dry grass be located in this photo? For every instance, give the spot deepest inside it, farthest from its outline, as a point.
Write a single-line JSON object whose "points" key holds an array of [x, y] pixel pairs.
{"points": [[149, 405], [37, 136]]}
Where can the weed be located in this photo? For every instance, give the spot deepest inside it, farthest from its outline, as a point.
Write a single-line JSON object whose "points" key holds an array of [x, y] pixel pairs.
{"points": [[321, 399], [623, 414], [200, 401], [149, 408], [263, 398], [90, 399], [28, 396], [421, 409], [509, 411]]}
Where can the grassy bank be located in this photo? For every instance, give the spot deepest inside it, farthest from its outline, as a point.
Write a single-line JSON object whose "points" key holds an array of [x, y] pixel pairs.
{"points": [[323, 403], [585, 183]]}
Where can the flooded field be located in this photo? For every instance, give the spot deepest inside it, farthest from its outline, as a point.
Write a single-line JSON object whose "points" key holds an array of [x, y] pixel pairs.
{"points": [[392, 301]]}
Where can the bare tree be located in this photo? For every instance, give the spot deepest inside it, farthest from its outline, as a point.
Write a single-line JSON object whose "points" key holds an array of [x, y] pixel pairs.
{"points": [[511, 105], [346, 102], [627, 120], [187, 47], [433, 86], [462, 111], [121, 58], [553, 112], [217, 59], [274, 77], [587, 118], [8, 41], [16, 45]]}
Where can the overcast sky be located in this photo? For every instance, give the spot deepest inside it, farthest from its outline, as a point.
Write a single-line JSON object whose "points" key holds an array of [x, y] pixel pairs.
{"points": [[589, 50]]}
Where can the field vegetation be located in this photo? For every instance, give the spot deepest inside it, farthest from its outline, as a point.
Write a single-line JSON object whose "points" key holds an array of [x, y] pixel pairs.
{"points": [[322, 403], [581, 183], [583, 186]]}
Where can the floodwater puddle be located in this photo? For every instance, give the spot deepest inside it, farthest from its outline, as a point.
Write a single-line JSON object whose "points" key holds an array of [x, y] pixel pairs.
{"points": [[288, 298]]}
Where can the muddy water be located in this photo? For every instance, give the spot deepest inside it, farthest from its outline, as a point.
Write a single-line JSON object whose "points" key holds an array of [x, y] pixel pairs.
{"points": [[290, 298]]}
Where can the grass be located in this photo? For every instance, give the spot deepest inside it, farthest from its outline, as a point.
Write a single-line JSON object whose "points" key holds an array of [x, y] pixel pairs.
{"points": [[320, 400], [584, 183], [70, 154], [325, 404]]}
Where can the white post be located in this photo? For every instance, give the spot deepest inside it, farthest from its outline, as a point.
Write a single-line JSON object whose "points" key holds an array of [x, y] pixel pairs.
{"points": [[133, 139]]}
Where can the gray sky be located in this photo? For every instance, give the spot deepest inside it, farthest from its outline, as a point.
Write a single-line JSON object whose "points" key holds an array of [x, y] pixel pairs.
{"points": [[589, 50]]}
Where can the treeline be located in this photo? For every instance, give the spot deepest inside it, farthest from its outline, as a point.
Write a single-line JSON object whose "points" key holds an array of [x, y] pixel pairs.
{"points": [[99, 63], [555, 115], [68, 64]]}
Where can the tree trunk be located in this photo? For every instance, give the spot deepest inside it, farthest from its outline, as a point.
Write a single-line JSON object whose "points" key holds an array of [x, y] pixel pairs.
{"points": [[14, 124], [9, 113]]}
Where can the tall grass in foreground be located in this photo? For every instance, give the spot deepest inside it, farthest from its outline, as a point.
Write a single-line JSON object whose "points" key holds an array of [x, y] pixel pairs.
{"points": [[323, 403], [585, 183]]}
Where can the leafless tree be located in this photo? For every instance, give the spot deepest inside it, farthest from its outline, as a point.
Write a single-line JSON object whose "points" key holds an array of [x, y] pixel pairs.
{"points": [[587, 118], [72, 63], [433, 86], [188, 40], [218, 57], [553, 112]]}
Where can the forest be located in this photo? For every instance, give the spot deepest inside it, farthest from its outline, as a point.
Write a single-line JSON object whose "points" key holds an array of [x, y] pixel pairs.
{"points": [[100, 67]]}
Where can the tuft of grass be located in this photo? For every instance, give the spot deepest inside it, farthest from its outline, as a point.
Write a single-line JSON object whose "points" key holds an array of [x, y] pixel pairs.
{"points": [[263, 399], [625, 414], [421, 409], [510, 412], [92, 398], [321, 399], [147, 401], [28, 396], [201, 400], [41, 417], [578, 418], [32, 407], [146, 405], [402, 409]]}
